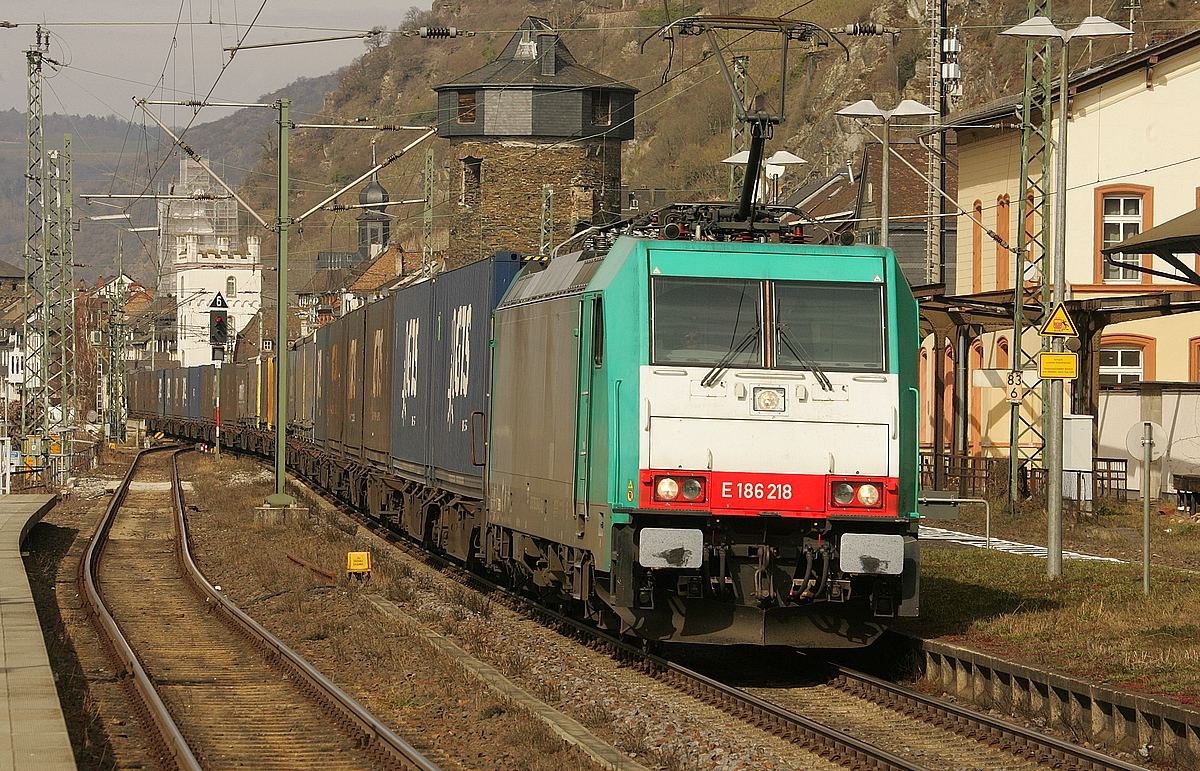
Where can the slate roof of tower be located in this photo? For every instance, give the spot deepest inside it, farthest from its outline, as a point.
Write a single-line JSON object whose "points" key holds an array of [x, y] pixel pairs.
{"points": [[508, 70]]}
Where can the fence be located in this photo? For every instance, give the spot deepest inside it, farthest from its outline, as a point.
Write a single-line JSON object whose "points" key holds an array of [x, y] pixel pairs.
{"points": [[50, 479], [973, 476]]}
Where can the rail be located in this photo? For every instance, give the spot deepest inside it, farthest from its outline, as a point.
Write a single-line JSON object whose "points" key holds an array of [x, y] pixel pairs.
{"points": [[175, 745], [407, 755], [981, 725]]}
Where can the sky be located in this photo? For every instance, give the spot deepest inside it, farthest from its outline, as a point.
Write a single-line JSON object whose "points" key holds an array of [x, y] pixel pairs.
{"points": [[172, 49]]}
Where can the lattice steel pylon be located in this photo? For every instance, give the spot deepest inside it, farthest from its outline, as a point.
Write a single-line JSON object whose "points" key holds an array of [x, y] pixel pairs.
{"points": [[1033, 237], [739, 130], [427, 218], [34, 385], [70, 334], [935, 11]]}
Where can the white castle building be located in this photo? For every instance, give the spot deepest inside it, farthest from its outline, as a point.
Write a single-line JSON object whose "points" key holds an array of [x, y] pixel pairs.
{"points": [[199, 276]]}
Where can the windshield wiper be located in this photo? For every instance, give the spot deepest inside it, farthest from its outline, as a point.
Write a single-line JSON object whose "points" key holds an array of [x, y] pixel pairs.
{"points": [[804, 358], [714, 374]]}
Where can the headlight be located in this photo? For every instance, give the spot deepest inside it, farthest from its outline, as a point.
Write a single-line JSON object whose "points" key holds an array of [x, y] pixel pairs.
{"points": [[667, 489], [770, 399], [692, 489], [843, 494], [868, 495]]}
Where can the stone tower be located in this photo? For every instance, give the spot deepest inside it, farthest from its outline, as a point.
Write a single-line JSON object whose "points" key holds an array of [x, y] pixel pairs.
{"points": [[532, 118], [373, 226]]}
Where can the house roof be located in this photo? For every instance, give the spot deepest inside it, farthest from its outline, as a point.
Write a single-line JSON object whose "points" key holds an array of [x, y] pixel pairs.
{"points": [[8, 270], [519, 65], [378, 272], [1090, 77]]}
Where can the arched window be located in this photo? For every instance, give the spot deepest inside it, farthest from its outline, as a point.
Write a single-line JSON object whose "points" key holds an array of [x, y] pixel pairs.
{"points": [[231, 287], [976, 396], [948, 398], [923, 390], [1002, 229], [1002, 353], [1126, 359]]}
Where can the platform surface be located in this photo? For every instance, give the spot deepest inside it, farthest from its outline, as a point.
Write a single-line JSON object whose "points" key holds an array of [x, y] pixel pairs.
{"points": [[33, 734]]}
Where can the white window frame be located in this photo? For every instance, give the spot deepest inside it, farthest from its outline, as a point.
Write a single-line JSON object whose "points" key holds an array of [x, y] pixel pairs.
{"points": [[1125, 373], [1111, 273]]}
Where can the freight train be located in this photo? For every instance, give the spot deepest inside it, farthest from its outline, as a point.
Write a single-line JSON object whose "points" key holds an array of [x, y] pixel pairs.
{"points": [[681, 440]]}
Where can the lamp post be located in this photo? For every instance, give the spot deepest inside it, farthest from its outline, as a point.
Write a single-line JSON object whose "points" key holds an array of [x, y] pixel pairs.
{"points": [[866, 109], [1041, 27], [773, 166]]}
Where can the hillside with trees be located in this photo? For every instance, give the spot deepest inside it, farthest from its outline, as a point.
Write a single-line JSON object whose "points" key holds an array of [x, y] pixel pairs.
{"points": [[683, 109]]}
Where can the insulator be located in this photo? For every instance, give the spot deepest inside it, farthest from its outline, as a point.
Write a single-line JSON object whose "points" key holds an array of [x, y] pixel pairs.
{"points": [[439, 31], [866, 28]]}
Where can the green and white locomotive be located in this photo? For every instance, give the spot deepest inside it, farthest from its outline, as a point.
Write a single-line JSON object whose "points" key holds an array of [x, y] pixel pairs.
{"points": [[709, 442]]}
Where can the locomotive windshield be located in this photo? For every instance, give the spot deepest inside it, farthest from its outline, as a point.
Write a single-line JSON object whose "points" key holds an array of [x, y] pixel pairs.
{"points": [[814, 325], [839, 326], [702, 321]]}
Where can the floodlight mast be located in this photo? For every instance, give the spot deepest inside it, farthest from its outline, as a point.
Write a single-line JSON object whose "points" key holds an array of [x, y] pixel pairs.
{"points": [[762, 123]]}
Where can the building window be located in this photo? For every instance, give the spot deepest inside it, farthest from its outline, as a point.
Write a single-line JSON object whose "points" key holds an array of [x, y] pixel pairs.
{"points": [[268, 344], [1122, 219], [601, 108], [231, 287], [472, 180], [1120, 364], [466, 106]]}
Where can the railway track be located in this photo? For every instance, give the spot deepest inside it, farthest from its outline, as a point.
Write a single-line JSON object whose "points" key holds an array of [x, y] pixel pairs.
{"points": [[939, 743], [215, 688]]}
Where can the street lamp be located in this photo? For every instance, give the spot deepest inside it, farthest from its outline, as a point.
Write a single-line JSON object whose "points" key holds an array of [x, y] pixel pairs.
{"points": [[773, 166], [866, 109], [1041, 27]]}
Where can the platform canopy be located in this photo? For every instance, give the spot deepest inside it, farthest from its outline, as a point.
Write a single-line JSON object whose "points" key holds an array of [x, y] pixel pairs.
{"points": [[1168, 240]]}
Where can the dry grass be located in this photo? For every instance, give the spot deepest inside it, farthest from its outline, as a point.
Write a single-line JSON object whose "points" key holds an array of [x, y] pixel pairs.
{"points": [[390, 669], [1094, 621]]}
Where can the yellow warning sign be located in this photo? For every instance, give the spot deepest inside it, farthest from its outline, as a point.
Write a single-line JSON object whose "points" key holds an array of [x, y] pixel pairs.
{"points": [[1058, 366], [1059, 324], [358, 563]]}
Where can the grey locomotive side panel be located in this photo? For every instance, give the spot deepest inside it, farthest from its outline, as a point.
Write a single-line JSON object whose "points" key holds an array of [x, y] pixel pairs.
{"points": [[531, 482], [411, 352], [377, 386], [355, 326]]}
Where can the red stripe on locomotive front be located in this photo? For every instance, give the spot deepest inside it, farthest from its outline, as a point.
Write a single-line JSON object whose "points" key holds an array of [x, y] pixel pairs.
{"points": [[751, 494]]}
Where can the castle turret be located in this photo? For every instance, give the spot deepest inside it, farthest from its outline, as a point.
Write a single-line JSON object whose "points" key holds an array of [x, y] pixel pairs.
{"points": [[533, 118]]}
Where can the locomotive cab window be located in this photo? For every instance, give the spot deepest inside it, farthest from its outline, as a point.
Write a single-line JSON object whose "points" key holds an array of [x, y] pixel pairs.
{"points": [[837, 326], [703, 322]]}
